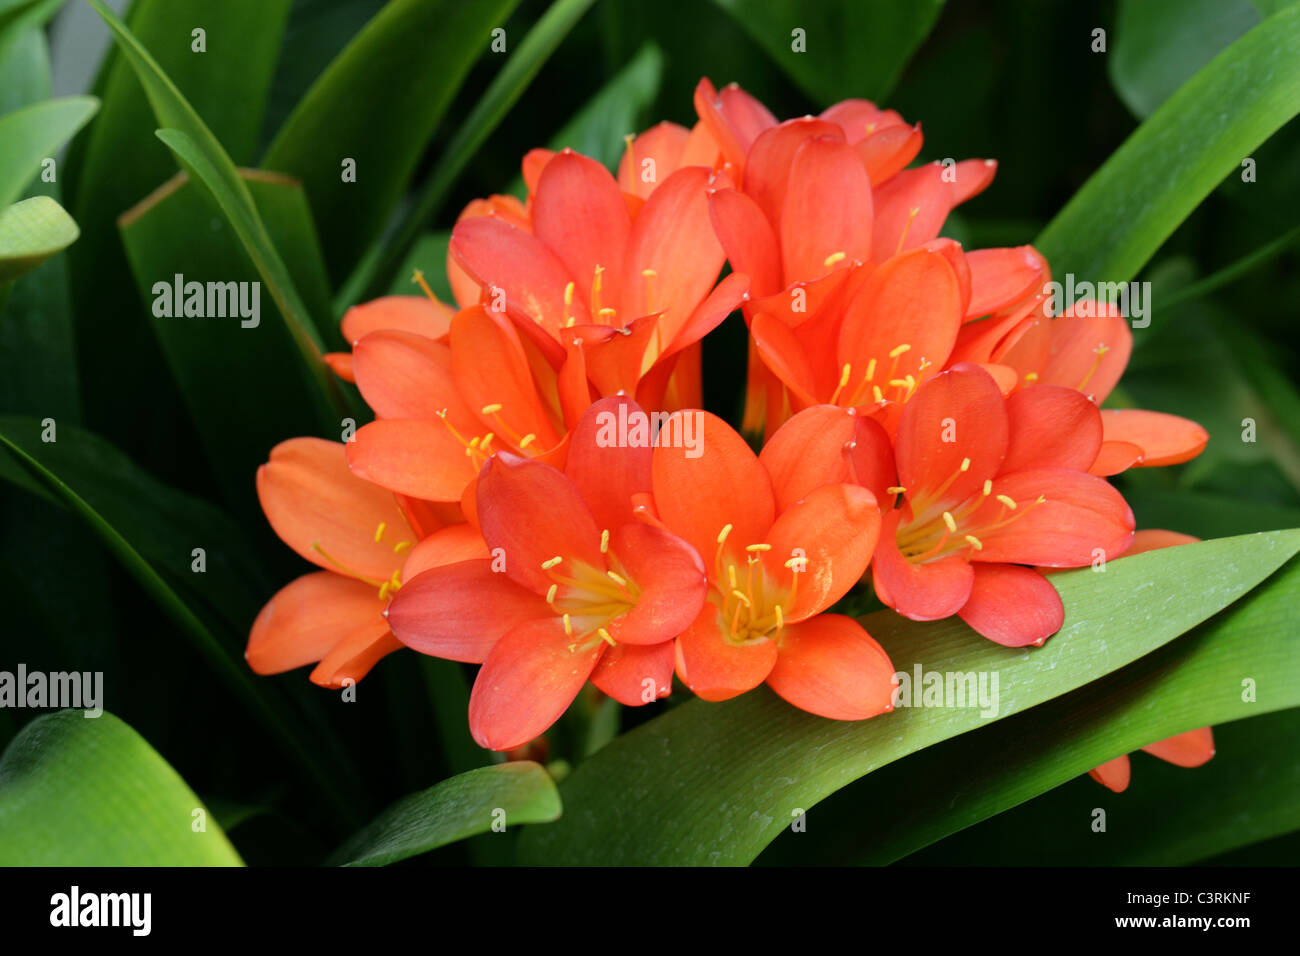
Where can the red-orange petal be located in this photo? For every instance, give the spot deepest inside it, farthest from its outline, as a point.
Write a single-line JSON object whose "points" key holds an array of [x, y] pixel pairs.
{"points": [[416, 458], [834, 529], [1003, 278], [1052, 427], [1164, 439], [824, 445], [632, 672], [830, 666], [826, 211], [1114, 457], [922, 592], [353, 657], [748, 238], [529, 679], [1113, 774], [716, 669], [607, 461], [1190, 749], [449, 545], [307, 618], [1013, 606], [671, 579], [459, 611], [417, 314], [404, 375], [1088, 352], [326, 513], [1152, 539]]}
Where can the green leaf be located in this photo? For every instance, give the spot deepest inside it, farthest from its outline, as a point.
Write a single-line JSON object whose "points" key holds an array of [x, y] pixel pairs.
{"points": [[118, 162], [145, 527], [457, 808], [34, 133], [1160, 44], [1195, 681], [518, 72], [378, 104], [78, 791], [429, 255], [715, 783], [1126, 210], [850, 49], [30, 232], [227, 371]]}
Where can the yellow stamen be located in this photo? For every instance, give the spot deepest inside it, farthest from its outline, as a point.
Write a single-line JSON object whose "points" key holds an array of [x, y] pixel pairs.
{"points": [[722, 535], [491, 409], [742, 597], [899, 350], [833, 258], [379, 532], [616, 578], [401, 546], [965, 464], [975, 542], [896, 490], [527, 440], [550, 593], [949, 521], [568, 625], [551, 562], [758, 547], [418, 277], [604, 541], [1009, 502], [605, 636], [988, 487]]}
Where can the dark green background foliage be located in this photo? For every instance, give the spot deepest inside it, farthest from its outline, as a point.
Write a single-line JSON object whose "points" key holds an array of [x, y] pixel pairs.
{"points": [[160, 433]]}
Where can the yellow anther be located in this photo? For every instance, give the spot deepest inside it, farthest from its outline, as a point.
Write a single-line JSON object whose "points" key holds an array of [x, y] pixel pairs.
{"points": [[899, 350], [379, 532], [491, 409], [383, 591], [1031, 377], [568, 293], [988, 487], [833, 258], [871, 128], [551, 562], [844, 374], [877, 394], [487, 439], [758, 547], [742, 597], [722, 535], [605, 636], [896, 490], [1009, 502], [616, 578], [871, 370], [550, 593], [649, 273], [949, 521], [568, 625], [780, 617], [898, 383], [731, 575], [607, 313], [527, 440], [975, 542], [965, 464], [401, 546], [604, 541], [796, 564]]}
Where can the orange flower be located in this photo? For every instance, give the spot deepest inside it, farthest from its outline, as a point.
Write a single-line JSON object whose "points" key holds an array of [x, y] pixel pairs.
{"points": [[576, 589], [988, 485], [775, 564], [604, 288], [1190, 749], [359, 534]]}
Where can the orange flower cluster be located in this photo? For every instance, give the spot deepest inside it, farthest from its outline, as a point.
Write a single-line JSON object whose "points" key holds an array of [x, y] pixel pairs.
{"points": [[540, 493]]}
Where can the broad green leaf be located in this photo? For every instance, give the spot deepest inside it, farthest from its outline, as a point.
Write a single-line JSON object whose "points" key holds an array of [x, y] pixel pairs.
{"points": [[1207, 515], [849, 50], [229, 372], [117, 162], [35, 133], [378, 104], [24, 68], [521, 66], [1126, 210], [1168, 816], [715, 783], [16, 14], [30, 232], [138, 524], [465, 805], [1159, 44], [1195, 681], [78, 791]]}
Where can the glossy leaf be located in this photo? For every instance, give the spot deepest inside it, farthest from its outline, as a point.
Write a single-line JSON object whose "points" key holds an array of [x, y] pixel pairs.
{"points": [[1126, 210], [715, 783], [465, 805], [378, 104], [849, 50], [79, 791]]}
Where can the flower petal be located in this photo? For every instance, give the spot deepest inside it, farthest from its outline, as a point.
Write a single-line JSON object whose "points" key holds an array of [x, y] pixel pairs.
{"points": [[416, 458], [671, 579], [827, 210], [826, 445], [1164, 439], [725, 484], [1004, 278], [307, 618], [604, 464], [529, 679], [1013, 606], [417, 314], [1190, 749], [767, 167], [449, 545], [352, 658], [328, 514], [716, 669], [834, 529], [1152, 539], [1113, 774], [830, 666], [922, 592], [1052, 427], [404, 375], [1088, 352], [623, 672], [534, 513], [748, 239], [458, 611]]}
